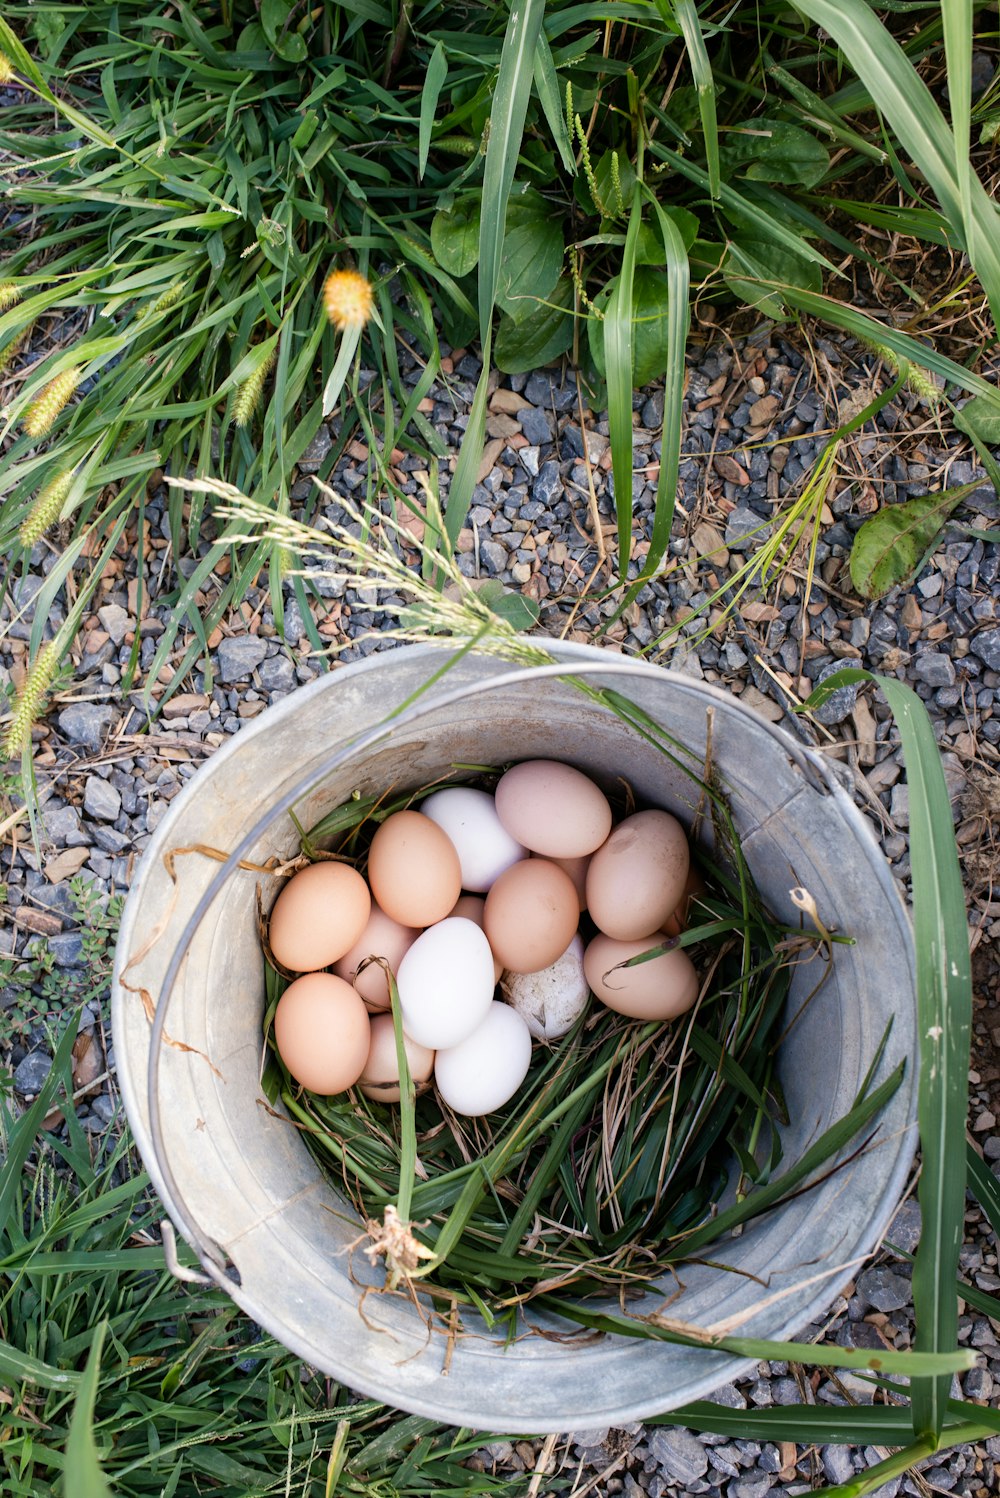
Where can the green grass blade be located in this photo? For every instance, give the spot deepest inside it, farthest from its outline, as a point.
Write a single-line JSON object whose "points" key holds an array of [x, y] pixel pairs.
{"points": [[21, 1134], [956, 20], [21, 1368], [944, 1021], [841, 315], [907, 103], [701, 71], [807, 1424], [678, 324], [618, 361], [984, 1186], [912, 1364], [470, 455], [84, 1478], [547, 89], [510, 105], [437, 72]]}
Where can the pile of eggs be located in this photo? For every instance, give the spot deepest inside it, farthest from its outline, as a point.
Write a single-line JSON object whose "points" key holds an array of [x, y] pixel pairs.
{"points": [[471, 890]]}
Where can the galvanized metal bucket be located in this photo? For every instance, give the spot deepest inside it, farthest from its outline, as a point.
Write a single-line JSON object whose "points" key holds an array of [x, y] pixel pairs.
{"points": [[237, 1181]]}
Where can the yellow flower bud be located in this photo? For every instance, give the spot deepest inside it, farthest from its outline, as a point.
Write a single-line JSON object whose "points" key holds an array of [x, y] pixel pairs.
{"points": [[348, 299]]}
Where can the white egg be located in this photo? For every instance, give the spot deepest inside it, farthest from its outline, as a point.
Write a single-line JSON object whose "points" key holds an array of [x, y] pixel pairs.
{"points": [[552, 1000], [485, 1070], [484, 847], [445, 983]]}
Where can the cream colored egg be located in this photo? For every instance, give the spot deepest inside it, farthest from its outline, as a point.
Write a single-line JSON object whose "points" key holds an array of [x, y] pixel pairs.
{"points": [[382, 937], [472, 907], [636, 880], [553, 809], [322, 1033], [380, 1078], [485, 1070], [659, 989], [318, 916]]}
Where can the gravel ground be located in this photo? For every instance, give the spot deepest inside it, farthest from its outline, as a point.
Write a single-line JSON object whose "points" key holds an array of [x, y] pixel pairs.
{"points": [[759, 413]]}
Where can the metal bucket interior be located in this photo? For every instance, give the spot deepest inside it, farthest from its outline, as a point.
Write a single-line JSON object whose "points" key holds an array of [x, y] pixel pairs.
{"points": [[237, 1177]]}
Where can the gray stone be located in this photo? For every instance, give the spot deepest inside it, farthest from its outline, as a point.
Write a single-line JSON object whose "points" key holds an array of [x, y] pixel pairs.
{"points": [[67, 949], [678, 1454], [745, 529], [978, 1383], [548, 486], [884, 1289], [277, 674], [239, 656], [115, 620], [62, 827], [935, 668], [904, 1231], [312, 459], [295, 625], [87, 724], [987, 646], [730, 1396], [535, 425], [494, 555], [752, 1485], [838, 1464], [104, 1108], [100, 799], [899, 806], [30, 1073], [840, 704]]}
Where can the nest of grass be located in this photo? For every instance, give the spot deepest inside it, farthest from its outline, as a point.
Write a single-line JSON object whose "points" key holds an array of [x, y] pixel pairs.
{"points": [[630, 1146]]}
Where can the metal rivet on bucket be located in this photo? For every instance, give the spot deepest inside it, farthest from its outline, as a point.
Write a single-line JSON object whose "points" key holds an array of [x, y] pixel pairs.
{"points": [[238, 1182]]}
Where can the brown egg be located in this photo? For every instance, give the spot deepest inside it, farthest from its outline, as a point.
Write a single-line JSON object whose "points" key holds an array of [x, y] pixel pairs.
{"points": [[576, 868], [553, 809], [380, 1078], [635, 881], [531, 915], [659, 989], [472, 907], [318, 916], [694, 887], [413, 869], [322, 1033], [382, 937]]}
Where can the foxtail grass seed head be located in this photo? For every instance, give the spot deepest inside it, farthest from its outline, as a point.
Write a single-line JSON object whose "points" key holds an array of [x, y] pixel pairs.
{"points": [[30, 700], [9, 294], [45, 511], [164, 301], [7, 74], [348, 299], [46, 407], [14, 347], [250, 391]]}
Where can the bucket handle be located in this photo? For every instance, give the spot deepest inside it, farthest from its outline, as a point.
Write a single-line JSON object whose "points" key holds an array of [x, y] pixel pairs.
{"points": [[218, 1267]]}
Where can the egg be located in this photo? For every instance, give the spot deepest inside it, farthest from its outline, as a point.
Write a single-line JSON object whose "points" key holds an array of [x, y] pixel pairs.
{"points": [[413, 869], [445, 983], [472, 907], [553, 809], [322, 1033], [659, 989], [484, 847], [485, 1070], [576, 868], [694, 887], [636, 880], [318, 916], [382, 937], [551, 1001], [380, 1078], [531, 914]]}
